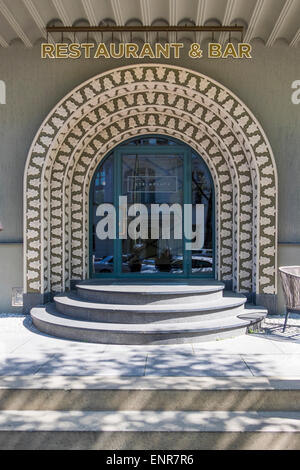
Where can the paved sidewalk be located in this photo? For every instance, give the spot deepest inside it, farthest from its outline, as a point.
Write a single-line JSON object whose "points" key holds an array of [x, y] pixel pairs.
{"points": [[25, 351]]}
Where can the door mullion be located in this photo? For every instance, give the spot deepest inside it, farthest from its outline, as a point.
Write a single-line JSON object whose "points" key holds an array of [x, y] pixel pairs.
{"points": [[117, 192], [187, 199]]}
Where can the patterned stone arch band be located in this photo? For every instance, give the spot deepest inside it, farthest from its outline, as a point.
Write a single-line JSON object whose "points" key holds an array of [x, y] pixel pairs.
{"points": [[149, 99]]}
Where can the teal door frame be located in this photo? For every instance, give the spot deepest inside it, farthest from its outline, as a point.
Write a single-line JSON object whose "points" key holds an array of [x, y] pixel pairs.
{"points": [[131, 149]]}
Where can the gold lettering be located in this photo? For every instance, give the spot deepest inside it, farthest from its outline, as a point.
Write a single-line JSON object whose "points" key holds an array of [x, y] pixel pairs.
{"points": [[74, 51], [87, 46], [230, 51], [162, 50], [120, 53], [214, 50], [245, 50], [101, 51], [147, 51], [176, 46], [47, 50], [61, 50], [131, 50]]}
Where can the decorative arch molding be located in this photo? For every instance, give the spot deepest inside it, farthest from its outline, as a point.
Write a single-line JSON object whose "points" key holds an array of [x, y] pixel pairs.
{"points": [[149, 99]]}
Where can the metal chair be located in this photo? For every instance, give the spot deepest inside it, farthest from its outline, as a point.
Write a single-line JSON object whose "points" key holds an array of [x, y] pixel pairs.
{"points": [[290, 278]]}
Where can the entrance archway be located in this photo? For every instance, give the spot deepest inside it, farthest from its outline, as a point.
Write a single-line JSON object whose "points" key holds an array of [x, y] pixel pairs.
{"points": [[161, 183], [149, 99]]}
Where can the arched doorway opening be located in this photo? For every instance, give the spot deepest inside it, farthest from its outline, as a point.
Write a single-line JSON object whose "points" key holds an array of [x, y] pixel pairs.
{"points": [[149, 99], [152, 212]]}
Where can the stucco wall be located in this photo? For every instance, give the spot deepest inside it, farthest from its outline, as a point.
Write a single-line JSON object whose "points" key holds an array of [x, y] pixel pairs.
{"points": [[34, 86], [11, 272]]}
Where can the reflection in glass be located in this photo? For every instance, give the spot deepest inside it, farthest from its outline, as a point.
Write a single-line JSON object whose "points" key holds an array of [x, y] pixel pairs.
{"points": [[103, 250], [150, 170], [202, 193], [152, 179]]}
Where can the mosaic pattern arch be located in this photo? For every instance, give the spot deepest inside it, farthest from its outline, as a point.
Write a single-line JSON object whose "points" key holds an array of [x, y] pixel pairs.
{"points": [[138, 100]]}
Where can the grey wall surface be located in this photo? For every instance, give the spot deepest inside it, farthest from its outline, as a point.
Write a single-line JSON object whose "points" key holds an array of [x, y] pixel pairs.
{"points": [[11, 272], [34, 86]]}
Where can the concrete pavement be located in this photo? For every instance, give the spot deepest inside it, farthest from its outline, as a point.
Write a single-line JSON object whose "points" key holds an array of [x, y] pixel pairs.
{"points": [[25, 351]]}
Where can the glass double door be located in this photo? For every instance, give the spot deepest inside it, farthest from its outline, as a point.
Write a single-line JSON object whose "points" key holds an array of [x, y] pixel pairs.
{"points": [[147, 181], [148, 190]]}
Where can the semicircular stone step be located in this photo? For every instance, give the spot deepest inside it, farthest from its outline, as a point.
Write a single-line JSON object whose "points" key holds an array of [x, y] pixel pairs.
{"points": [[75, 307], [49, 321], [154, 293]]}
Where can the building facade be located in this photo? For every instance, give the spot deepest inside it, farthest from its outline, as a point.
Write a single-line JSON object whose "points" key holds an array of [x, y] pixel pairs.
{"points": [[64, 119]]}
